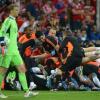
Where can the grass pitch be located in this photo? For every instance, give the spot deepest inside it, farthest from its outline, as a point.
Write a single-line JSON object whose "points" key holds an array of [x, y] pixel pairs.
{"points": [[59, 95]]}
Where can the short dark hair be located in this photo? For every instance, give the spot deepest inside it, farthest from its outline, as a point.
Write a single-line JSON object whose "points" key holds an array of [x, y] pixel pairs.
{"points": [[38, 34]]}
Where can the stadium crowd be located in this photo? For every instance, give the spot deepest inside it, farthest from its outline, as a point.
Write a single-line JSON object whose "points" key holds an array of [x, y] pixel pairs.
{"points": [[43, 27]]}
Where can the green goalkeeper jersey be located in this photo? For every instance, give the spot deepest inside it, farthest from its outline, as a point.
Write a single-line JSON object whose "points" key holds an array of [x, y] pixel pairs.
{"points": [[9, 30]]}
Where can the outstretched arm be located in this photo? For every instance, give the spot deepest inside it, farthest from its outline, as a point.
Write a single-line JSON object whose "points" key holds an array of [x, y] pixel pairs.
{"points": [[44, 55]]}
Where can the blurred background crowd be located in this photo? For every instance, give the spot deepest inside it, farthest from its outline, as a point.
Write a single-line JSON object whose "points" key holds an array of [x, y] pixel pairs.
{"points": [[77, 15], [56, 17]]}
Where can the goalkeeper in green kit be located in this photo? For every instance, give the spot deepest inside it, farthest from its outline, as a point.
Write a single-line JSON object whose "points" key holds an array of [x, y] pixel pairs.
{"points": [[9, 31]]}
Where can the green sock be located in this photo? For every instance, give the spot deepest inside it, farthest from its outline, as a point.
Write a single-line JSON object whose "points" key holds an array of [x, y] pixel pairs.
{"points": [[23, 81], [1, 79]]}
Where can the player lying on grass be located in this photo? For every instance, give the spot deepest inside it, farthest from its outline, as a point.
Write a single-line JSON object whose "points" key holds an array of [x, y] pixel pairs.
{"points": [[71, 54]]}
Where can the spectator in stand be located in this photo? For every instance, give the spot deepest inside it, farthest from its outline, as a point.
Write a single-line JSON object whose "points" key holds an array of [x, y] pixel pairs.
{"points": [[47, 8], [54, 22], [77, 14], [32, 10], [83, 35], [89, 17], [88, 23], [93, 3], [54, 2], [94, 34], [30, 21], [61, 7], [89, 10]]}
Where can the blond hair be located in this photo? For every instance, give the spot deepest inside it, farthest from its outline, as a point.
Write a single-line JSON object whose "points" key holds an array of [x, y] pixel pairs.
{"points": [[11, 7]]}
